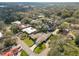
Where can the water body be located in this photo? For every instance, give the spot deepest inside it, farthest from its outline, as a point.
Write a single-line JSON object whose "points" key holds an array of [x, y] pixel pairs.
{"points": [[2, 6]]}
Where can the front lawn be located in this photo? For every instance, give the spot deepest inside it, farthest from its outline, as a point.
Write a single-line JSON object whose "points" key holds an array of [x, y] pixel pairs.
{"points": [[23, 53], [28, 41], [39, 48]]}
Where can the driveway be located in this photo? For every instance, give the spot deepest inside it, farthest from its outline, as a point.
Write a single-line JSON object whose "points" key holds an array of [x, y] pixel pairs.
{"points": [[25, 47]]}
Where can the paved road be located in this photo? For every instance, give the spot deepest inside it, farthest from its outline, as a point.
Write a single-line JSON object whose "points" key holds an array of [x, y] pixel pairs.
{"points": [[26, 48]]}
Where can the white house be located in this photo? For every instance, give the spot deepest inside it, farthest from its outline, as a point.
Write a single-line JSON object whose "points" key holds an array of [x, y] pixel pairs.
{"points": [[41, 15], [16, 22], [29, 30], [22, 26], [1, 35]]}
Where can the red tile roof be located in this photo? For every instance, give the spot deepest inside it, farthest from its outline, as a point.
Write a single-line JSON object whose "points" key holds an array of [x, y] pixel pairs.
{"points": [[12, 51], [8, 54]]}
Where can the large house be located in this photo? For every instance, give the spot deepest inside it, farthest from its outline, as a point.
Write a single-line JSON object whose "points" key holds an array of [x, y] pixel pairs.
{"points": [[22, 26], [16, 22], [43, 37], [29, 30], [13, 51], [40, 37], [76, 26], [1, 35], [41, 16]]}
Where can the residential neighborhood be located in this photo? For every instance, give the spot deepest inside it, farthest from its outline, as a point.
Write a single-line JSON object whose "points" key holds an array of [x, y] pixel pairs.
{"points": [[42, 30]]}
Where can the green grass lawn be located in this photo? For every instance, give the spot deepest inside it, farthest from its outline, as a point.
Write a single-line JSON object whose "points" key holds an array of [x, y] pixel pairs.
{"points": [[40, 48], [23, 53], [29, 42]]}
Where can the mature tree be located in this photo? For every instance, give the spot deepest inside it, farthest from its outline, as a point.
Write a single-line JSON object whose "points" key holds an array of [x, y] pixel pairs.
{"points": [[9, 42], [23, 36], [77, 40], [72, 20], [14, 29], [64, 25], [76, 14], [26, 20], [65, 13], [1, 45], [56, 45], [45, 28], [2, 25]]}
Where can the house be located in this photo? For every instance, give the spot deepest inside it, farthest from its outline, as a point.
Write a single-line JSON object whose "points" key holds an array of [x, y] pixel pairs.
{"points": [[29, 30], [16, 22], [9, 53], [35, 36], [64, 31], [16, 49], [39, 38], [42, 38], [13, 51], [41, 16], [76, 26], [22, 26], [1, 35]]}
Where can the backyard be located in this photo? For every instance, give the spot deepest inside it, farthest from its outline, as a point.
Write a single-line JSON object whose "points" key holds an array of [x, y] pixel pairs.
{"points": [[23, 53], [28, 41], [39, 48]]}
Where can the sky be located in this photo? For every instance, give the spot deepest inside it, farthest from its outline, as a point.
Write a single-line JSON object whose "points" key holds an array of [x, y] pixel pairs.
{"points": [[39, 0]]}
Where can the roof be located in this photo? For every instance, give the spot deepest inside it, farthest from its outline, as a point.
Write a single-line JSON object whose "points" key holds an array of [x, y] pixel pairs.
{"points": [[29, 30], [8, 54], [14, 49], [41, 15], [35, 36], [22, 26], [1, 35], [16, 22], [43, 37], [75, 25]]}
